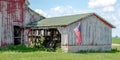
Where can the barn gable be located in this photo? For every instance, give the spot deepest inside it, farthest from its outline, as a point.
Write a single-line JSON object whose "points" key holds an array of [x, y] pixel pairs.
{"points": [[14, 14], [95, 35]]}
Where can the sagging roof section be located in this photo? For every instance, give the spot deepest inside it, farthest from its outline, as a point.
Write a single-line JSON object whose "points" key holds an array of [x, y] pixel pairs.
{"points": [[65, 20]]}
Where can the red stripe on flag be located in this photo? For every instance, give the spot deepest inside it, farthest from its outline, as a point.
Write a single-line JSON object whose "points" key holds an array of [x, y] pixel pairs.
{"points": [[78, 34]]}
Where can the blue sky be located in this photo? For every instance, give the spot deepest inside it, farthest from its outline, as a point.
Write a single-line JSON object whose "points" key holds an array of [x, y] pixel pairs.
{"points": [[108, 9], [47, 4]]}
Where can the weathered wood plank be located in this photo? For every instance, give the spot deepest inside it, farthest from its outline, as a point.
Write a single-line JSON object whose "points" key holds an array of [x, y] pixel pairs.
{"points": [[94, 32]]}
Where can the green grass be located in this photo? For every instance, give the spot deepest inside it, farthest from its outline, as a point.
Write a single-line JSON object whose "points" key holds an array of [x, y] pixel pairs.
{"points": [[23, 48], [20, 52], [116, 40]]}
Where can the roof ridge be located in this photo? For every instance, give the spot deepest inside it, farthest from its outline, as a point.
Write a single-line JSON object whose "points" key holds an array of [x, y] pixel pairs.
{"points": [[70, 15]]}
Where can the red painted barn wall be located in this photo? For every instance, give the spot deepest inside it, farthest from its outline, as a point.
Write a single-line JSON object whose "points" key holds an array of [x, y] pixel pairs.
{"points": [[14, 12], [6, 23]]}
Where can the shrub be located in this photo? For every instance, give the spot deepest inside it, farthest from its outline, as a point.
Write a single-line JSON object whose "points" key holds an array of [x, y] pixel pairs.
{"points": [[37, 43]]}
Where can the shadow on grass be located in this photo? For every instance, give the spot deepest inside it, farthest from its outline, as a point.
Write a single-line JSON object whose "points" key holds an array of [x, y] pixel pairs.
{"points": [[23, 48], [114, 50]]}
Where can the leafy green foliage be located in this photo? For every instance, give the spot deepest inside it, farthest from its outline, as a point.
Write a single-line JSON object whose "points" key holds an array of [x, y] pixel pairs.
{"points": [[23, 48], [42, 39], [37, 43]]}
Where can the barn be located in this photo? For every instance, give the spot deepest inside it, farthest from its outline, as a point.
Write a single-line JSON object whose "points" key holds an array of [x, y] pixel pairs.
{"points": [[21, 25], [95, 32]]}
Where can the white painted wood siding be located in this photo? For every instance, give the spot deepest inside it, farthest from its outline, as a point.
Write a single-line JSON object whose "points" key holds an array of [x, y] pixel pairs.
{"points": [[94, 32]]}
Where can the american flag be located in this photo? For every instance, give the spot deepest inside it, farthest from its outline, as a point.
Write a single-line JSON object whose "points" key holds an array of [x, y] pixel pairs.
{"points": [[77, 31]]}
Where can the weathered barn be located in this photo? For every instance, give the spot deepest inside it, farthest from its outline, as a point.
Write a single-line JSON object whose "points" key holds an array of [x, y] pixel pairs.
{"points": [[95, 32], [21, 25], [14, 14]]}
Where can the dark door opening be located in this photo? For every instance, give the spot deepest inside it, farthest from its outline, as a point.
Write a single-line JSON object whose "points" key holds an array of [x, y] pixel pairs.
{"points": [[17, 35], [52, 38]]}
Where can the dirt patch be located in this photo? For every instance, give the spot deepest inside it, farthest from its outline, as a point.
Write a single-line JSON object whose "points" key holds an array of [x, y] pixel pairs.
{"points": [[115, 44]]}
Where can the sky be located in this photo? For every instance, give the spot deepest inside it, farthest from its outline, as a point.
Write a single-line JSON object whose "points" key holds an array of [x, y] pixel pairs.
{"points": [[108, 9]]}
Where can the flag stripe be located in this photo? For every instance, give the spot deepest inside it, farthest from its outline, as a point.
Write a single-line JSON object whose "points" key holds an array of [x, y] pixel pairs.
{"points": [[77, 31]]}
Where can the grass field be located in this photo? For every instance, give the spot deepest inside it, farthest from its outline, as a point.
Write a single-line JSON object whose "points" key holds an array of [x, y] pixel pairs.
{"points": [[23, 53], [37, 55], [116, 40]]}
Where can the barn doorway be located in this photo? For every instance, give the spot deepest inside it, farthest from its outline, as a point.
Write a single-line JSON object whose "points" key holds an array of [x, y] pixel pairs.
{"points": [[17, 35], [52, 37]]}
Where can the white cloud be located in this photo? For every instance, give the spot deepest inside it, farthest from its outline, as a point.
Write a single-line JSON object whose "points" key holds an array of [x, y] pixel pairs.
{"points": [[64, 10], [101, 3], [40, 11], [60, 11], [115, 20], [119, 12], [112, 19], [108, 9], [116, 31]]}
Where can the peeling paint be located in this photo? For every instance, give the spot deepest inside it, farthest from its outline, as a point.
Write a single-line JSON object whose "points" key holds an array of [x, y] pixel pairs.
{"points": [[14, 13]]}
